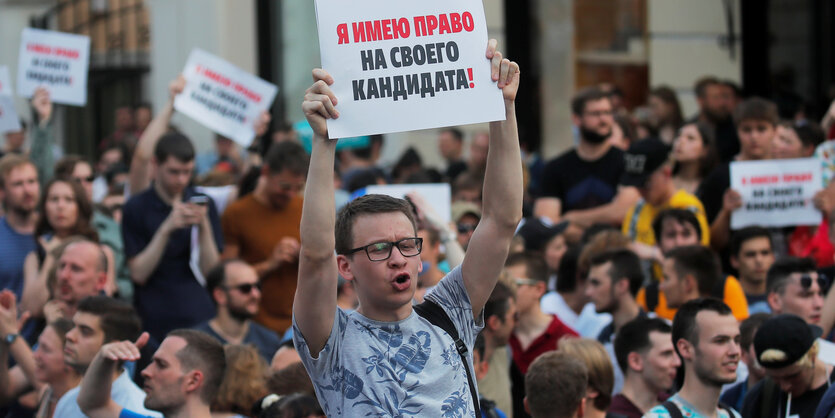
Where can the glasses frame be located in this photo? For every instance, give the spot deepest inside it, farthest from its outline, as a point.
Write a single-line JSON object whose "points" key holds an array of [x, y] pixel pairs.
{"points": [[249, 286], [806, 282], [392, 244]]}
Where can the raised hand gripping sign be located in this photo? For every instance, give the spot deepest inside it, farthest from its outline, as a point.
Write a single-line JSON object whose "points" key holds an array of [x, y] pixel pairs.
{"points": [[58, 61], [401, 66], [223, 97]]}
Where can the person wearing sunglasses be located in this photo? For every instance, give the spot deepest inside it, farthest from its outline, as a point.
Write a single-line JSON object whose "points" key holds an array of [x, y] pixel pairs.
{"points": [[795, 287], [384, 359], [236, 292]]}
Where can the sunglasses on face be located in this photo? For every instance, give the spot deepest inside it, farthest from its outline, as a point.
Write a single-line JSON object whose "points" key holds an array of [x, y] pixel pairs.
{"points": [[245, 288], [806, 281], [88, 179], [464, 228]]}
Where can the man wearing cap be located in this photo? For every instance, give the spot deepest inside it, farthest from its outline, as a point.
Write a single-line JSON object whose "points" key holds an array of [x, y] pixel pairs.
{"points": [[797, 379], [466, 216]]}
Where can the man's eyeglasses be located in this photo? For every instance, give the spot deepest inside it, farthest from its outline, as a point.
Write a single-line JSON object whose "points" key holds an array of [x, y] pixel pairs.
{"points": [[526, 282], [380, 251], [464, 228], [245, 288], [806, 282]]}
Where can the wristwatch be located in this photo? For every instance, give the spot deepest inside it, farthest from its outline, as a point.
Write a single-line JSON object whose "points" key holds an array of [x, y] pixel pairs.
{"points": [[9, 338]]}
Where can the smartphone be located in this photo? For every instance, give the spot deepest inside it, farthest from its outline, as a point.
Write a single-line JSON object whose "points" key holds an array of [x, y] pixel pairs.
{"points": [[199, 200]]}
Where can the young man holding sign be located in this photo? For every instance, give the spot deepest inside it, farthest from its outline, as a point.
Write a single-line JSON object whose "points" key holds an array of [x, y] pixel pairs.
{"points": [[384, 358]]}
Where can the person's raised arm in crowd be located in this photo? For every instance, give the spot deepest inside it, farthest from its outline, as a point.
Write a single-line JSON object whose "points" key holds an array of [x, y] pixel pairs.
{"points": [[502, 193], [139, 177], [720, 228], [43, 138], [317, 261], [94, 397], [15, 381]]}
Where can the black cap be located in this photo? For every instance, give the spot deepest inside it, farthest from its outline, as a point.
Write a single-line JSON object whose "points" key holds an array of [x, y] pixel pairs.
{"points": [[642, 159], [537, 234], [786, 333]]}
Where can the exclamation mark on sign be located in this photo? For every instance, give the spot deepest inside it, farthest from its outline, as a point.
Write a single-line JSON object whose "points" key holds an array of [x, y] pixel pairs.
{"points": [[470, 74]]}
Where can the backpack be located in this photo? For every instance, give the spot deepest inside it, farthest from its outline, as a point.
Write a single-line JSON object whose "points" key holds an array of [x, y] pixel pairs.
{"points": [[675, 412], [436, 316]]}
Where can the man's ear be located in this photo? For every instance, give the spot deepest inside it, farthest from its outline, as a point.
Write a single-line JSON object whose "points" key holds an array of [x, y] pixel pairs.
{"points": [[582, 409], [691, 283], [541, 288], [775, 302], [684, 348], [193, 380], [343, 265], [493, 322], [575, 119], [635, 361], [219, 296], [528, 408]]}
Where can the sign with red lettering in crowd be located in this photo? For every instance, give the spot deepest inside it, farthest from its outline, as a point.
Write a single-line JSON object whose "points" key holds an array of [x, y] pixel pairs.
{"points": [[5, 81], [223, 97], [400, 66], [776, 193], [57, 61]]}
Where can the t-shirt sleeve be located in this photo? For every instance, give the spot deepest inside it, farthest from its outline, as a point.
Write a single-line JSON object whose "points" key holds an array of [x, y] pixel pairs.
{"points": [[452, 296], [229, 227], [327, 355], [133, 235], [127, 413], [735, 299]]}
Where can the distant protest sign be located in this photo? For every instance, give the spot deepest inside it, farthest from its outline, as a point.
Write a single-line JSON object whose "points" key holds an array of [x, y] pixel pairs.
{"points": [[436, 195], [223, 97], [776, 192], [401, 66], [57, 61], [5, 81], [9, 121]]}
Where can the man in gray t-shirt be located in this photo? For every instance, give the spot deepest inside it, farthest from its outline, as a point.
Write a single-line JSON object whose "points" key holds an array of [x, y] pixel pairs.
{"points": [[383, 359]]}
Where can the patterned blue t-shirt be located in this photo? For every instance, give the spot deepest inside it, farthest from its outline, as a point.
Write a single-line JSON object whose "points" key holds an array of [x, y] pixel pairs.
{"points": [[687, 410], [403, 368]]}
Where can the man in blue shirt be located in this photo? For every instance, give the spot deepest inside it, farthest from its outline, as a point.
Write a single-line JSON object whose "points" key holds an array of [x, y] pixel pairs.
{"points": [[236, 291], [19, 191], [172, 238]]}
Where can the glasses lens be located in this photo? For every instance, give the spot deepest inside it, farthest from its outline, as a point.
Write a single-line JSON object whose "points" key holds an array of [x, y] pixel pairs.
{"points": [[409, 247], [464, 228], [379, 251], [246, 288]]}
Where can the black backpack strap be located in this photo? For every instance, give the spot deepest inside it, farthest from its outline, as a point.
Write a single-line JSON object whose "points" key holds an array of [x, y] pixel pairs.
{"points": [[672, 408], [651, 296], [436, 316], [727, 408]]}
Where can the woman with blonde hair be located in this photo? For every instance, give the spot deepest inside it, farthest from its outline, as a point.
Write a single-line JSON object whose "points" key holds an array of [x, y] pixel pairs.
{"points": [[245, 382], [600, 371]]}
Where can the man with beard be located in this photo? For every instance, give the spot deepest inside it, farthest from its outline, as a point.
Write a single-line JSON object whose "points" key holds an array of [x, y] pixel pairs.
{"points": [[181, 381], [98, 321], [614, 279], [716, 104], [262, 229], [581, 185], [19, 191], [236, 291], [706, 337]]}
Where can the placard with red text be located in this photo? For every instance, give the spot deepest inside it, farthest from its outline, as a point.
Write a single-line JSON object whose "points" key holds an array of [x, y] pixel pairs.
{"points": [[58, 61], [401, 66], [776, 192], [223, 97]]}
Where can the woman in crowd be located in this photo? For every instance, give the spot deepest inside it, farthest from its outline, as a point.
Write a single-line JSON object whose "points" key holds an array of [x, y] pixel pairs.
{"points": [[245, 382], [665, 113], [694, 156], [601, 373], [66, 212]]}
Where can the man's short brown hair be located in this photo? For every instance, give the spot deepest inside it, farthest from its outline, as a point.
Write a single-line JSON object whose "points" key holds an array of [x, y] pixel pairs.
{"points": [[10, 162], [555, 385], [366, 205], [202, 352], [757, 108]]}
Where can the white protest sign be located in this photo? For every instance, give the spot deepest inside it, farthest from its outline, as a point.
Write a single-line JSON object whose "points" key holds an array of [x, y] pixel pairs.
{"points": [[437, 195], [9, 121], [57, 61], [400, 66], [776, 192], [223, 97], [5, 81]]}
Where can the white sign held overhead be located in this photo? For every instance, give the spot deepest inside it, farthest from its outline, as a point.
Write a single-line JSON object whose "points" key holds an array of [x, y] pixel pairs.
{"points": [[400, 66], [223, 97], [437, 195], [776, 193], [57, 61], [9, 121]]}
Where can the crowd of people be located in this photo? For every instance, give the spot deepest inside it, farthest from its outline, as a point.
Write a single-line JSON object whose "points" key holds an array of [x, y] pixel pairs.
{"points": [[263, 282]]}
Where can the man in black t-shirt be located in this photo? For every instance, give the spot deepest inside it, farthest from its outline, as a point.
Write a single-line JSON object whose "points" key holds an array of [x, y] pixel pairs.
{"points": [[581, 185]]}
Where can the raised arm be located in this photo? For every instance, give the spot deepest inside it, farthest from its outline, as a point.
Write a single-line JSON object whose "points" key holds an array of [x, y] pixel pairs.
{"points": [[21, 377], [502, 193], [43, 137], [94, 397], [314, 305], [139, 177]]}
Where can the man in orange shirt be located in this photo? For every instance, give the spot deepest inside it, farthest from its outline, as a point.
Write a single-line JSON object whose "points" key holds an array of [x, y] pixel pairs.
{"points": [[263, 230]]}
